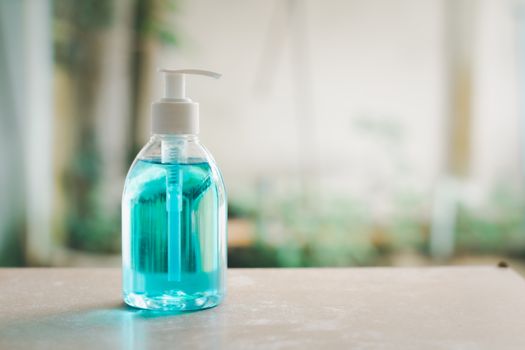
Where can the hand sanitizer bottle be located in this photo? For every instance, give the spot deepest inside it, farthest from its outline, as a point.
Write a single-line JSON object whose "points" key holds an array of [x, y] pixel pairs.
{"points": [[174, 211]]}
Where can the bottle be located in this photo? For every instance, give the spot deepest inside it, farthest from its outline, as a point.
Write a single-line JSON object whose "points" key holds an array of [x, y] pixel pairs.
{"points": [[174, 211]]}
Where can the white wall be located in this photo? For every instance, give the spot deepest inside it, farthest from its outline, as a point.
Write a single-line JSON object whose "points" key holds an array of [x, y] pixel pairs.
{"points": [[375, 67]]}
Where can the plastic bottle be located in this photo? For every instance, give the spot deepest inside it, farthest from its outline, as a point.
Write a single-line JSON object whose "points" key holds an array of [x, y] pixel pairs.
{"points": [[174, 211]]}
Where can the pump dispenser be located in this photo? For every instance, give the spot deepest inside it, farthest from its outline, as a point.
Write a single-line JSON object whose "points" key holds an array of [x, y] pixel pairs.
{"points": [[175, 113], [174, 211]]}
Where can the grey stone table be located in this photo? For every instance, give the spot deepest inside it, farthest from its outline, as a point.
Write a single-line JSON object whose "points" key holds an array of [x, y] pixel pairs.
{"points": [[362, 308]]}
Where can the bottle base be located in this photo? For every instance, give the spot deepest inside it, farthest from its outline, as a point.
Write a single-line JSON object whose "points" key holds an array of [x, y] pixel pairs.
{"points": [[169, 302]]}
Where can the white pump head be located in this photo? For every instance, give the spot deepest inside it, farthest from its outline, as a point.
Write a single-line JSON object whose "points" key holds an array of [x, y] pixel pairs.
{"points": [[175, 113]]}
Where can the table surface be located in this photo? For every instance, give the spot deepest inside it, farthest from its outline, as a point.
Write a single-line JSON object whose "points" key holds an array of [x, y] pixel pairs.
{"points": [[358, 308]]}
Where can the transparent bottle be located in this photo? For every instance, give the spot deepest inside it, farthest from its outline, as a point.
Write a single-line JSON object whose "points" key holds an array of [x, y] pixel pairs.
{"points": [[174, 217]]}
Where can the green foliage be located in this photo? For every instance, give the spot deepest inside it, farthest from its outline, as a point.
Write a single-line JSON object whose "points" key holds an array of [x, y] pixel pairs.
{"points": [[89, 227], [85, 15], [332, 233], [498, 227], [152, 20], [12, 252], [75, 23], [343, 231]]}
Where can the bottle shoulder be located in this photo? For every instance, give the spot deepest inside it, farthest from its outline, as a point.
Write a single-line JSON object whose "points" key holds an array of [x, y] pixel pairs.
{"points": [[187, 152], [182, 151]]}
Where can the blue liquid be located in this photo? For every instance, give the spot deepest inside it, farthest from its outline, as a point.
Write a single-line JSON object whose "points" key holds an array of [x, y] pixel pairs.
{"points": [[155, 274]]}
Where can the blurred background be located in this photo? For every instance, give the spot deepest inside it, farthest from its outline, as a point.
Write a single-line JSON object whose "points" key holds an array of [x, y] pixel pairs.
{"points": [[349, 133]]}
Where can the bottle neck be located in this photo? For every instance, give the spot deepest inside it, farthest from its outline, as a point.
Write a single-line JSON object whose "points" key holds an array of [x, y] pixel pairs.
{"points": [[176, 137]]}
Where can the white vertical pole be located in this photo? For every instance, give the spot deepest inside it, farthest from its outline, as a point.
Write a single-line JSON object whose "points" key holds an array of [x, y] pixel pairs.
{"points": [[38, 128], [460, 34]]}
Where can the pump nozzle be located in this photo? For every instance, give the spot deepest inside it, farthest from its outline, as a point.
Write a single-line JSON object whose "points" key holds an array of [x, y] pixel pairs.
{"points": [[175, 113], [175, 82]]}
